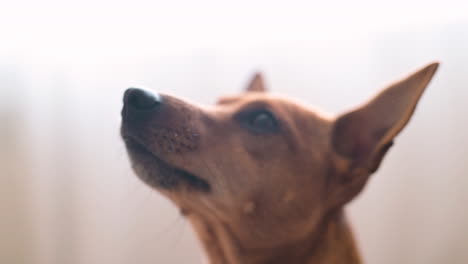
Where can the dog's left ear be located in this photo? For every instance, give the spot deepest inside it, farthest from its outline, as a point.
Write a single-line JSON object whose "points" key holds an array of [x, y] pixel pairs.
{"points": [[364, 135], [256, 84]]}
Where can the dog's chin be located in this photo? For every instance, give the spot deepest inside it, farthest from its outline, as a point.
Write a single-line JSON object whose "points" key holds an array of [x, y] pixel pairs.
{"points": [[157, 173]]}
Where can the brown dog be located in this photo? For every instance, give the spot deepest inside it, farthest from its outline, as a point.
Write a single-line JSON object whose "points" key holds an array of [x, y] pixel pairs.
{"points": [[263, 179]]}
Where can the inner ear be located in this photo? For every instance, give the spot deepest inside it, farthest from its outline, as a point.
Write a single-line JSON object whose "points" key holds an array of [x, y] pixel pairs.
{"points": [[365, 134], [256, 84]]}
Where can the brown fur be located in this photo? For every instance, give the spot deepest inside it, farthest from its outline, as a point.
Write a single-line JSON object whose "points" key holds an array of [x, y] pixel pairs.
{"points": [[263, 191]]}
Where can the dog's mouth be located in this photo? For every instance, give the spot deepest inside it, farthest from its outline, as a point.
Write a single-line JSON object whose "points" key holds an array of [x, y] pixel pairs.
{"points": [[158, 173]]}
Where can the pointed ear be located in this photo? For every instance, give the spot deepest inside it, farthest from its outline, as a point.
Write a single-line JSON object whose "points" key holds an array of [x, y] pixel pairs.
{"points": [[361, 135], [256, 84], [365, 134]]}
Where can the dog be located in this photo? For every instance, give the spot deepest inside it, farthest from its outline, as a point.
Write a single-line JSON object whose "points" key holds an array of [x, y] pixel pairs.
{"points": [[263, 179]]}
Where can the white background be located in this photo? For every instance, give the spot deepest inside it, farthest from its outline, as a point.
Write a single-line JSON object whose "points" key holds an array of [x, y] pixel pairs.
{"points": [[67, 194]]}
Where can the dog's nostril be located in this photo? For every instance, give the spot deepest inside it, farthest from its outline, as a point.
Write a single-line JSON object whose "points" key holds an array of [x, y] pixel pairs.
{"points": [[141, 99]]}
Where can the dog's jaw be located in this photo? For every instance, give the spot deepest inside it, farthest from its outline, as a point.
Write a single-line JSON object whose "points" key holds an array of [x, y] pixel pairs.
{"points": [[157, 173]]}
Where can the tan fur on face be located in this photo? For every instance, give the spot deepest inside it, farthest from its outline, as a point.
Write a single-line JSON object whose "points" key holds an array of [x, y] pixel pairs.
{"points": [[269, 196]]}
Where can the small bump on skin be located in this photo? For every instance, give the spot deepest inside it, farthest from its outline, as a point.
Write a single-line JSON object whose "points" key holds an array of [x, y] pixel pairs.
{"points": [[288, 197], [249, 208]]}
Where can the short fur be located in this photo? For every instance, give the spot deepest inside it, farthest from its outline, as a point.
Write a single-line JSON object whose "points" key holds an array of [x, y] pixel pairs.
{"points": [[257, 195]]}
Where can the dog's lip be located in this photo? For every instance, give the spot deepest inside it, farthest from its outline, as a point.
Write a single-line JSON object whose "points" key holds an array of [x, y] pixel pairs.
{"points": [[134, 145]]}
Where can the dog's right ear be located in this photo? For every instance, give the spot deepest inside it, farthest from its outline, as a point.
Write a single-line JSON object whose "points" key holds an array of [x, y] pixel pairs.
{"points": [[256, 84], [364, 135]]}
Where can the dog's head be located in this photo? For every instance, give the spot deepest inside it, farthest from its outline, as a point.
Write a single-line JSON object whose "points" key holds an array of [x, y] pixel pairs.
{"points": [[262, 161]]}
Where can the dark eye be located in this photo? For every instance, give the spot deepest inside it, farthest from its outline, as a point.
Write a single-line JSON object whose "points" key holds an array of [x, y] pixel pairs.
{"points": [[260, 121]]}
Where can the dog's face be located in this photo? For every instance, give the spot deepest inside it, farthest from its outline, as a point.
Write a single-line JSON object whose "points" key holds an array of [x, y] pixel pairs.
{"points": [[245, 159], [259, 161]]}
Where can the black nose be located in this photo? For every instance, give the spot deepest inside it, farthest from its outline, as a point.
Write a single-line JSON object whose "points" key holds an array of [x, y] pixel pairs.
{"points": [[141, 100]]}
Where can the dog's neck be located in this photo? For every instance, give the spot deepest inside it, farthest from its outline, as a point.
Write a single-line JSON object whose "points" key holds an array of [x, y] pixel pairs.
{"points": [[332, 243]]}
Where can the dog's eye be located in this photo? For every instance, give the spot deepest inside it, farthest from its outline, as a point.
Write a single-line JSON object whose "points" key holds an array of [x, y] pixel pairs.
{"points": [[260, 121], [263, 121]]}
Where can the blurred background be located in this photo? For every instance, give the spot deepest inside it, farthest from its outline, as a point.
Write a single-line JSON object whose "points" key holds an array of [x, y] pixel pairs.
{"points": [[67, 194]]}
